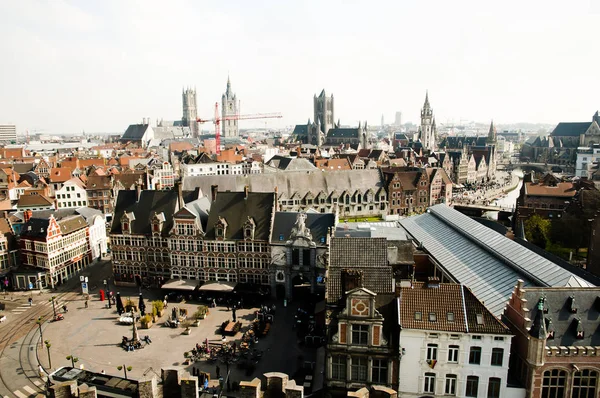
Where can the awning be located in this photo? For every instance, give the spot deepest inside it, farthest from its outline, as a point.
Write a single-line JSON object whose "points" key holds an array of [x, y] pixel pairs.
{"points": [[218, 286], [180, 284]]}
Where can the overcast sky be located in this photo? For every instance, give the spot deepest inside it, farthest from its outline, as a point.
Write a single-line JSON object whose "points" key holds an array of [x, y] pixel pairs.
{"points": [[68, 66]]}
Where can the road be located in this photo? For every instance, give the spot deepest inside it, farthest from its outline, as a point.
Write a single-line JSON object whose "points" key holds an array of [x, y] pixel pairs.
{"points": [[20, 333]]}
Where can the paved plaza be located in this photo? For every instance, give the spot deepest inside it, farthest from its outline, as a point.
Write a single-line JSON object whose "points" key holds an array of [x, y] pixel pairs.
{"points": [[93, 335]]}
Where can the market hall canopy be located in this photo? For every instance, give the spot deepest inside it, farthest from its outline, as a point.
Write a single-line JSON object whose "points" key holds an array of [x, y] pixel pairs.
{"points": [[180, 284], [225, 287]]}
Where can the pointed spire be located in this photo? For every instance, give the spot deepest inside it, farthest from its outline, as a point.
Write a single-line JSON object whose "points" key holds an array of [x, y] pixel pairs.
{"points": [[426, 105], [491, 138], [538, 328]]}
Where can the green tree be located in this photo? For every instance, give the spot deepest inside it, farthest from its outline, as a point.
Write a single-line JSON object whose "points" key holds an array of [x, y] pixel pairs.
{"points": [[537, 230]]}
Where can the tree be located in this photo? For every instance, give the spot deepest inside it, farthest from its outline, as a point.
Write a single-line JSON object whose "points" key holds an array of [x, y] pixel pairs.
{"points": [[537, 230]]}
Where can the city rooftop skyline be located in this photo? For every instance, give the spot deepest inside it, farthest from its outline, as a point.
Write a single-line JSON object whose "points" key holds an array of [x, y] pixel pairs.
{"points": [[99, 66]]}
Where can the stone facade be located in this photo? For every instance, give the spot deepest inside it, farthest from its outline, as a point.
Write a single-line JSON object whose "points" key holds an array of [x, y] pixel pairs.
{"points": [[230, 113], [190, 111]]}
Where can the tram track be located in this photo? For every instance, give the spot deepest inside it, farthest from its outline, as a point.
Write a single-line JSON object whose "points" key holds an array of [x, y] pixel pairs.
{"points": [[25, 327]]}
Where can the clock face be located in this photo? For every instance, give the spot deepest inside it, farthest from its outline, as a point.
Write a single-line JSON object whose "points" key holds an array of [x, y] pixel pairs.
{"points": [[360, 307]]}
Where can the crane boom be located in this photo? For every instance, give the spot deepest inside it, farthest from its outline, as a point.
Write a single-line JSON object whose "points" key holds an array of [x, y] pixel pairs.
{"points": [[217, 121]]}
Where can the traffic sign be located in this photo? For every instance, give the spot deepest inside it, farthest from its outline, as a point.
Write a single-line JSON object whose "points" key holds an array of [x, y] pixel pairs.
{"points": [[81, 278], [84, 288]]}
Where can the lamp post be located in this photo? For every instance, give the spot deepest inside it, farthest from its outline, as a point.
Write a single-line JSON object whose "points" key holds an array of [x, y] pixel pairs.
{"points": [[48, 345], [39, 322], [125, 369], [73, 360], [53, 305]]}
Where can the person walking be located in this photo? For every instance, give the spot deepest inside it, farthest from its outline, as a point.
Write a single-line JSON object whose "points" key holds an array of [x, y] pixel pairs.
{"points": [[218, 370], [30, 301], [86, 304]]}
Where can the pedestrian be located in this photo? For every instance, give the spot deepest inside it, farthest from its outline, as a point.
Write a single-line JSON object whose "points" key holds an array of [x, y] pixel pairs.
{"points": [[218, 370], [86, 304], [214, 303], [103, 372], [234, 347], [30, 301]]}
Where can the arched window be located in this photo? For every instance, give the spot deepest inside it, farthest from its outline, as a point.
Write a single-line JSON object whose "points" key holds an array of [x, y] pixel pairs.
{"points": [[553, 384], [585, 384]]}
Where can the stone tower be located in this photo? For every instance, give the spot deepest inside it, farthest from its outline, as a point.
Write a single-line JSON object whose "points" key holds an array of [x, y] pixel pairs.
{"points": [[324, 115], [229, 108], [491, 138], [190, 111], [427, 129]]}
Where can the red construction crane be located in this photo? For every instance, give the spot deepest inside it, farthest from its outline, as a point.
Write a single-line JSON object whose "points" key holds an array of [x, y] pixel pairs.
{"points": [[217, 121]]}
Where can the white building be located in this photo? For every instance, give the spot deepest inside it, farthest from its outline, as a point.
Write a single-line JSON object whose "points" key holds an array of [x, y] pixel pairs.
{"points": [[586, 157], [8, 133], [450, 343], [161, 176], [220, 168], [71, 195], [98, 238]]}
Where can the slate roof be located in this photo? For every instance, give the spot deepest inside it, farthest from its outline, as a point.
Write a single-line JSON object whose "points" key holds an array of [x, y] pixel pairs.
{"points": [[457, 142], [563, 321], [290, 164], [235, 208], [317, 223], [486, 261], [150, 202], [300, 130], [343, 132], [569, 129], [38, 227], [368, 255], [446, 298], [135, 132], [289, 183]]}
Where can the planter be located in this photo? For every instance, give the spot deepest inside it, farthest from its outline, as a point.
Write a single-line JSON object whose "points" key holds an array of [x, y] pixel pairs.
{"points": [[146, 325], [187, 331], [196, 323]]}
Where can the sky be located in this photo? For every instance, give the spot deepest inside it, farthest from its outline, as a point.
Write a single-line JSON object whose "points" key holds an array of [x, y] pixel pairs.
{"points": [[98, 66]]}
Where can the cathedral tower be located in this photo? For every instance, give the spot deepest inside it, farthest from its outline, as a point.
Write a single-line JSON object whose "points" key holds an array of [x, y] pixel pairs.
{"points": [[427, 129], [324, 111], [190, 112], [229, 108]]}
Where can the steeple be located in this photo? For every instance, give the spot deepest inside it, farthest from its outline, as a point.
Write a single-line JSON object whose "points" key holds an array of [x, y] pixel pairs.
{"points": [[491, 138], [426, 104]]}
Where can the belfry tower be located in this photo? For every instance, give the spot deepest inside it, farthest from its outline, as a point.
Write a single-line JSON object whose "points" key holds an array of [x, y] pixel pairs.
{"points": [[427, 129], [229, 107], [190, 111]]}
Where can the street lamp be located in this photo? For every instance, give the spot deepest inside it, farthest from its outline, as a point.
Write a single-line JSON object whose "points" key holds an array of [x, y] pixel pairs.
{"points": [[39, 322], [125, 369], [48, 345], [53, 305], [73, 360]]}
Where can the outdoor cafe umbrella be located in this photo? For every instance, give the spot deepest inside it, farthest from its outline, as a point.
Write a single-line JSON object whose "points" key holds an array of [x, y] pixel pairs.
{"points": [[119, 304], [142, 306]]}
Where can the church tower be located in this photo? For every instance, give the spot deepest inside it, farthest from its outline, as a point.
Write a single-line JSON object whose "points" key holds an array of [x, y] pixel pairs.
{"points": [[229, 107], [427, 129], [324, 115], [190, 112], [491, 138]]}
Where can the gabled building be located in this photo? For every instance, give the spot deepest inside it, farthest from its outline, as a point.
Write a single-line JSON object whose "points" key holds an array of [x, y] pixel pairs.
{"points": [[451, 345], [300, 253], [556, 348], [139, 235], [99, 193], [408, 190], [71, 195], [58, 176], [140, 134], [34, 203], [58, 247]]}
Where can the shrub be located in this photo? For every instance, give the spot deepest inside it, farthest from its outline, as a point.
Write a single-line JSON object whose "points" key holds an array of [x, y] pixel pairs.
{"points": [[159, 305]]}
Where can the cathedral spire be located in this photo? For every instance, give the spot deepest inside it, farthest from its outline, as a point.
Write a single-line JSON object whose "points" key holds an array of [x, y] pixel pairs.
{"points": [[426, 105], [491, 138]]}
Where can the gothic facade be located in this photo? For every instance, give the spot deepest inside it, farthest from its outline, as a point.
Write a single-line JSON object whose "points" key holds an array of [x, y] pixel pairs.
{"points": [[427, 131], [230, 113], [190, 111]]}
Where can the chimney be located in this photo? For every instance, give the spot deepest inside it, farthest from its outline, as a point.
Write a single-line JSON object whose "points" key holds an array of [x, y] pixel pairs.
{"points": [[180, 195], [433, 282], [213, 192], [246, 191], [27, 215], [276, 198], [138, 188]]}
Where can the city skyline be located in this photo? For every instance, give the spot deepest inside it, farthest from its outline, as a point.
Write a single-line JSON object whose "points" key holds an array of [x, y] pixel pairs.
{"points": [[98, 67]]}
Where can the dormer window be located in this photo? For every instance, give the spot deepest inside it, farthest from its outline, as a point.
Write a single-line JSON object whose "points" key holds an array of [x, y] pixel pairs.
{"points": [[549, 328], [221, 228], [249, 228], [579, 332], [158, 221]]}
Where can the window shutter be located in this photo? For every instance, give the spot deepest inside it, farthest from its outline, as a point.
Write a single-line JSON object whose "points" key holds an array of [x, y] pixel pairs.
{"points": [[343, 333]]}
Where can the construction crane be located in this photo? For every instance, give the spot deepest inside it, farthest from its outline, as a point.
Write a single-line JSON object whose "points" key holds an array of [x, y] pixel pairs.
{"points": [[218, 119]]}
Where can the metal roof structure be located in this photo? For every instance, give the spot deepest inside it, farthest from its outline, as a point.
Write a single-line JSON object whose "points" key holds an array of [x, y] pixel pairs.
{"points": [[482, 259]]}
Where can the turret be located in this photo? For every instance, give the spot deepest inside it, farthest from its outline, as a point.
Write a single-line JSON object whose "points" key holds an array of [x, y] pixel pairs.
{"points": [[538, 335]]}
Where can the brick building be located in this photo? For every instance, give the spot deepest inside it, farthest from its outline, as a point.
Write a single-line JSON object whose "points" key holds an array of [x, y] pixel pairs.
{"points": [[556, 348]]}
